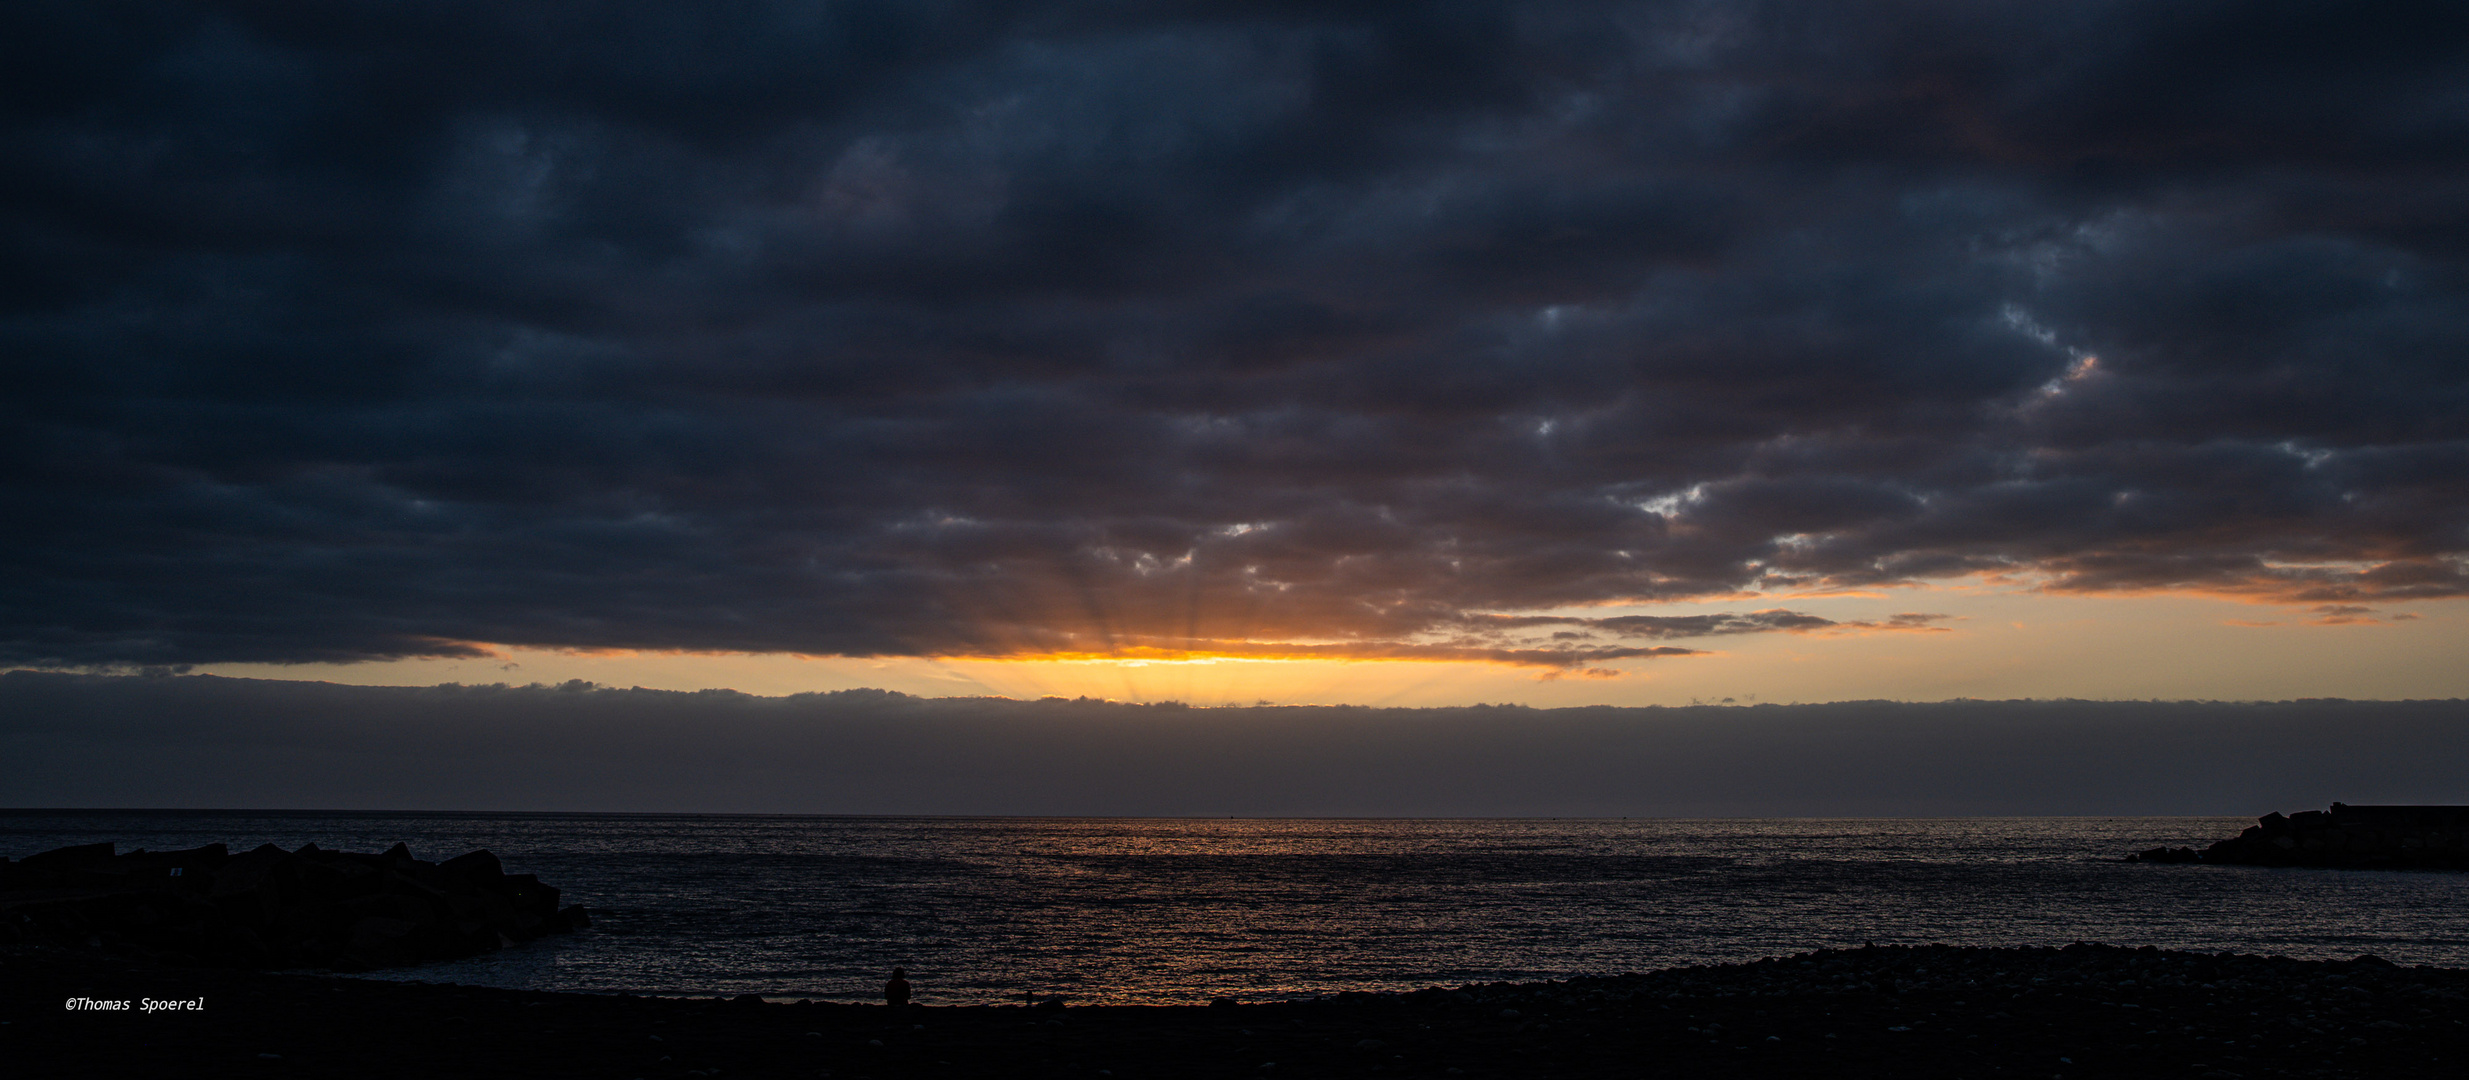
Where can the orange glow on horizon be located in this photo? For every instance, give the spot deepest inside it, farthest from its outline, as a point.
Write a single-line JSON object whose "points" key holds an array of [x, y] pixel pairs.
{"points": [[1992, 644]]}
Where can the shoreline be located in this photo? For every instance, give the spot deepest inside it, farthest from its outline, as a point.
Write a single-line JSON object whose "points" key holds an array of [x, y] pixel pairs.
{"points": [[1905, 1011]]}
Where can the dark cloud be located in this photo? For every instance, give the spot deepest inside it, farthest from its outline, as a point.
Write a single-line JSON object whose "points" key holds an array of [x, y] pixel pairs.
{"points": [[1695, 626], [2355, 615], [201, 741], [350, 330]]}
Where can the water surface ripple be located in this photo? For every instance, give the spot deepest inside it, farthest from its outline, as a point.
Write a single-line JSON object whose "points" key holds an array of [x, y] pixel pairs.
{"points": [[1180, 911]]}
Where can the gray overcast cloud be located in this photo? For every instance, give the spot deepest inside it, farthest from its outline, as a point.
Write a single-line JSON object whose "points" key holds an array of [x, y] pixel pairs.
{"points": [[341, 330], [202, 741]]}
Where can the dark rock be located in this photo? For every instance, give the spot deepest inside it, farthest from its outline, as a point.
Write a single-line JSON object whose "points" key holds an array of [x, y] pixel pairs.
{"points": [[270, 907], [529, 895], [2400, 836], [480, 866], [78, 857]]}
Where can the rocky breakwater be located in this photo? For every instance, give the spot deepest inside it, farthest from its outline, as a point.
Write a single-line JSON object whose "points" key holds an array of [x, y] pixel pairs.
{"points": [[2386, 837], [271, 908]]}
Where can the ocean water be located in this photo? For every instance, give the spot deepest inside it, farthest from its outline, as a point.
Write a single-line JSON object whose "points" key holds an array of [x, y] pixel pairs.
{"points": [[1182, 911]]}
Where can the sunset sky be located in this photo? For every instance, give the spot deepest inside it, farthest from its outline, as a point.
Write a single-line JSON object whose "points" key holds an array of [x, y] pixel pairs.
{"points": [[1397, 354]]}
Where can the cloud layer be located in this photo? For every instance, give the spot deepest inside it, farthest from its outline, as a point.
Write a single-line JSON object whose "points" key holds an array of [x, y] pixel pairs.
{"points": [[348, 330], [205, 742]]}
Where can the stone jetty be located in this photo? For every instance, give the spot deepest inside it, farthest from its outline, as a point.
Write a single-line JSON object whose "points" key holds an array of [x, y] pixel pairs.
{"points": [[271, 908], [2374, 837]]}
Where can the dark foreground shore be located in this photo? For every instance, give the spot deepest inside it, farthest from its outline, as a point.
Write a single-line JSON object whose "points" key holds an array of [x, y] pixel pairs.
{"points": [[2082, 1011]]}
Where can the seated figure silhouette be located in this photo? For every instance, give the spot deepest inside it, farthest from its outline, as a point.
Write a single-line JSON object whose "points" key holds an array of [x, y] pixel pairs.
{"points": [[896, 992]]}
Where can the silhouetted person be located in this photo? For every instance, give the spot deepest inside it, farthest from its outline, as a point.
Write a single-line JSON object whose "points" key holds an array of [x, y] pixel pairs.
{"points": [[896, 992]]}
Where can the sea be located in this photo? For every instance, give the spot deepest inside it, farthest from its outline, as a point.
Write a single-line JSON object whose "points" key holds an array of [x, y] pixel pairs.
{"points": [[1185, 911]]}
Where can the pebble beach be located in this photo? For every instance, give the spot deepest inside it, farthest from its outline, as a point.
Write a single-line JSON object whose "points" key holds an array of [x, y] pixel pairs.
{"points": [[2078, 1011]]}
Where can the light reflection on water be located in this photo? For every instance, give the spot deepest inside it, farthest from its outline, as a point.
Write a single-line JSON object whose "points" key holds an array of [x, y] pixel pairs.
{"points": [[1161, 911]]}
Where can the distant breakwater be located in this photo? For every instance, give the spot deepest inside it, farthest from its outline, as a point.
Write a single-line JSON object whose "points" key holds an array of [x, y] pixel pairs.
{"points": [[2363, 837], [271, 908]]}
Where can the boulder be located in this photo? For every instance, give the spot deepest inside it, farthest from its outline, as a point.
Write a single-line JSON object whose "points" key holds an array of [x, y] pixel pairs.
{"points": [[480, 866], [78, 857]]}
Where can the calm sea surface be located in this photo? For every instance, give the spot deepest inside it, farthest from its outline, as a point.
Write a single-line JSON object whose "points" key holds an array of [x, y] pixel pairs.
{"points": [[1180, 911]]}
